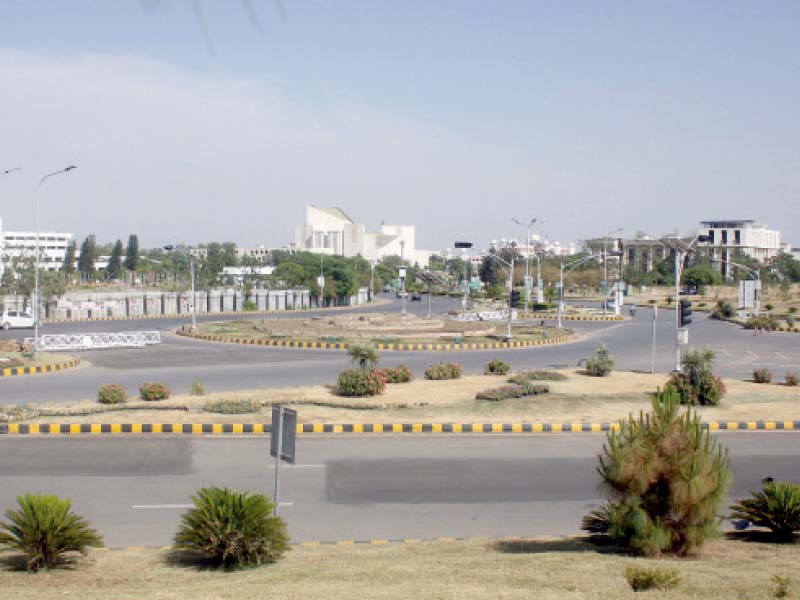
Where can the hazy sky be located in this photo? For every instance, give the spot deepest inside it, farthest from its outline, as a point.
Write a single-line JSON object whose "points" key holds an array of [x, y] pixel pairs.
{"points": [[451, 115]]}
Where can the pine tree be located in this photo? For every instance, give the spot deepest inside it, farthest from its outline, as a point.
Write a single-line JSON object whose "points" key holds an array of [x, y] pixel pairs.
{"points": [[87, 256], [132, 253], [669, 477], [69, 259], [115, 261]]}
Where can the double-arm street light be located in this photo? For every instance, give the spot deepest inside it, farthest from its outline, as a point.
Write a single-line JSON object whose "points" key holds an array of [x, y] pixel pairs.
{"points": [[38, 259], [570, 266], [509, 266], [527, 227], [190, 258]]}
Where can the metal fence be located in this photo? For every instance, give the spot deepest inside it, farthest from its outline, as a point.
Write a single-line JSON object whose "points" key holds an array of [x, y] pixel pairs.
{"points": [[96, 341]]}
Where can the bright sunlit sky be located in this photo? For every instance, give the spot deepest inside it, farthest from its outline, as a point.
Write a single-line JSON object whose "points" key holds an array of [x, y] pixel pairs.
{"points": [[221, 124]]}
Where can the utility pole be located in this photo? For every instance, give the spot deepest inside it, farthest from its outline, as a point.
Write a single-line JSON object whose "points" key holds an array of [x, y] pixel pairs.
{"points": [[678, 258], [527, 227], [510, 290]]}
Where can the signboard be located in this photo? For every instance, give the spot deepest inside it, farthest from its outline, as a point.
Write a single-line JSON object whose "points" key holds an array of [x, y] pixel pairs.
{"points": [[528, 282], [748, 293], [288, 433], [463, 245], [402, 272], [475, 285]]}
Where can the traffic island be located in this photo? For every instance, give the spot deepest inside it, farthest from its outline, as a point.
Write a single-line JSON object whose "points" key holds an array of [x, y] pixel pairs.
{"points": [[14, 363]]}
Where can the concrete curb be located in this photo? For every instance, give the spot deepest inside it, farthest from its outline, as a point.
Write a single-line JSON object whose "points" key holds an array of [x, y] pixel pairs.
{"points": [[356, 428], [307, 345], [550, 317], [15, 371]]}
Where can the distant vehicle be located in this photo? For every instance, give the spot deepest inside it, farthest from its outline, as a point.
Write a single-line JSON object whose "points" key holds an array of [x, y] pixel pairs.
{"points": [[415, 297], [402, 294], [689, 290], [386, 289], [16, 319]]}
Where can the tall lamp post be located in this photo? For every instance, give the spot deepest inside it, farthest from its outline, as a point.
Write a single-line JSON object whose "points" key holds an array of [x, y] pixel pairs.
{"points": [[38, 260], [510, 268], [190, 258], [527, 227], [570, 266]]}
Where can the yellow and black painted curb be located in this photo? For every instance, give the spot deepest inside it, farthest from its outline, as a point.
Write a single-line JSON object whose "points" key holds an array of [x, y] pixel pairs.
{"points": [[356, 428], [12, 371], [552, 317], [315, 345]]}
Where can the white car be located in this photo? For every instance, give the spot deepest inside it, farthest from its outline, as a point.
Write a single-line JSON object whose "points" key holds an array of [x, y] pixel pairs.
{"points": [[16, 319]]}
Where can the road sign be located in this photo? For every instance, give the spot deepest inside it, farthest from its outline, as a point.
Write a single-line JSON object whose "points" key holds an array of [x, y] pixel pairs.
{"points": [[284, 432], [475, 285], [463, 245], [528, 282], [402, 272]]}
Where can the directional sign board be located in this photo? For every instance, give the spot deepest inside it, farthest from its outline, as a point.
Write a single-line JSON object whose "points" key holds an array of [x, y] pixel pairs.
{"points": [[288, 433], [463, 244]]}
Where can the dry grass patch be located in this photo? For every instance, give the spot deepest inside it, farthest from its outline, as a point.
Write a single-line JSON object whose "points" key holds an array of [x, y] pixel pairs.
{"points": [[546, 569]]}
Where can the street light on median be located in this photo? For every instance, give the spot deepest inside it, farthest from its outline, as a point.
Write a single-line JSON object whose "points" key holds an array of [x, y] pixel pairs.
{"points": [[188, 255], [38, 258]]}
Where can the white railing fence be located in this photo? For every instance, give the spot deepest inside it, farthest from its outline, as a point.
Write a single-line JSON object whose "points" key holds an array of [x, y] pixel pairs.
{"points": [[96, 341]]}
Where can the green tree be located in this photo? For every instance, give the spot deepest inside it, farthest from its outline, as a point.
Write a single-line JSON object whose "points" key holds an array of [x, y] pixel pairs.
{"points": [[69, 258], [87, 256], [114, 261], [700, 274], [132, 253], [291, 273], [669, 478]]}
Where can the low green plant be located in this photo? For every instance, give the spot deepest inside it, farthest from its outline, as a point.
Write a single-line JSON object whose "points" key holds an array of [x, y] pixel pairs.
{"points": [[232, 529], [776, 507], [762, 322], [762, 375], [44, 529], [696, 384], [506, 392], [154, 391], [601, 364], [768, 307], [780, 586], [652, 301], [670, 300], [444, 370], [111, 393], [526, 376], [723, 310], [399, 374], [363, 355], [360, 383], [232, 407], [791, 379], [197, 389], [792, 310], [651, 578], [249, 306], [496, 367]]}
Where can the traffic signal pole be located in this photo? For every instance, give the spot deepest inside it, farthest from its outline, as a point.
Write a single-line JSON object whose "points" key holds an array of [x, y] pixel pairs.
{"points": [[677, 310]]}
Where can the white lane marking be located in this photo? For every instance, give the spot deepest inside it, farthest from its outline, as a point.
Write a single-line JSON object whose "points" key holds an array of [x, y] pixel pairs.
{"points": [[162, 506]]}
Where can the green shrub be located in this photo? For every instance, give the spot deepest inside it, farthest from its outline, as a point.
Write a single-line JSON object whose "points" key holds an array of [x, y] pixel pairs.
{"points": [[762, 375], [781, 586], [762, 322], [44, 528], [496, 367], [542, 306], [359, 383], [525, 376], [669, 477], [701, 305], [776, 507], [769, 307], [792, 310], [363, 354], [154, 391], [696, 384], [601, 364], [232, 529], [232, 407], [399, 374], [656, 578], [111, 393], [512, 391], [197, 389], [791, 379], [723, 310], [670, 300], [790, 321], [652, 301], [445, 370]]}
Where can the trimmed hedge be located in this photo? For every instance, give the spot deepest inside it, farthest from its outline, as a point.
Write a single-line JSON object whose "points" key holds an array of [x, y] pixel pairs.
{"points": [[154, 391], [512, 391], [526, 376], [232, 407], [399, 374], [111, 393], [444, 370]]}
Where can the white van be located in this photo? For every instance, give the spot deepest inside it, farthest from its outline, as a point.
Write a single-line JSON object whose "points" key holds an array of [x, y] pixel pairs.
{"points": [[16, 319]]}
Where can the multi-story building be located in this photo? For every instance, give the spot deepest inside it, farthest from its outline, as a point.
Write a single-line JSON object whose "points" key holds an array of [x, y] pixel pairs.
{"points": [[22, 244], [727, 237], [329, 230]]}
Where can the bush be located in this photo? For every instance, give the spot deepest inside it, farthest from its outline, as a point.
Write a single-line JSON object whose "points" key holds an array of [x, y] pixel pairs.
{"points": [[601, 364], [657, 578], [762, 375], [781, 589], [723, 310], [111, 393], [232, 407], [762, 322], [232, 529], [496, 367], [363, 355], [512, 391], [525, 376], [792, 310], [769, 307], [398, 374], [669, 477], [44, 528], [154, 391], [197, 389], [359, 383], [249, 306], [776, 507], [791, 379], [696, 384], [445, 370], [542, 306]]}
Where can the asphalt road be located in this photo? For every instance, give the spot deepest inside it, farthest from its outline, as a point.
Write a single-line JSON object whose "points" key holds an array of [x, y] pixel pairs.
{"points": [[223, 367], [135, 489]]}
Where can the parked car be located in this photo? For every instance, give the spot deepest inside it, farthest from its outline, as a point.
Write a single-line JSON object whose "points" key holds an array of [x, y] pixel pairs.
{"points": [[16, 319], [415, 297]]}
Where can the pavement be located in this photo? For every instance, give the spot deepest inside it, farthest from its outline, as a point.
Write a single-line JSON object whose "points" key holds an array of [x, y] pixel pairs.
{"points": [[179, 361], [133, 490]]}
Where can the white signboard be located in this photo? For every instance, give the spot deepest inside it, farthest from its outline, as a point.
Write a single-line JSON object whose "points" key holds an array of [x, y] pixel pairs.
{"points": [[748, 292]]}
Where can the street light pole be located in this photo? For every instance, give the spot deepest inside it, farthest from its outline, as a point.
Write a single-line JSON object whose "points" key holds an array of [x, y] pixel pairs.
{"points": [[570, 266], [527, 227], [38, 259], [190, 258]]}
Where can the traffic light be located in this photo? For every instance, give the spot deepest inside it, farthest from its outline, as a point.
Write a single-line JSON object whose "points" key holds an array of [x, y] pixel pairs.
{"points": [[685, 313], [514, 298]]}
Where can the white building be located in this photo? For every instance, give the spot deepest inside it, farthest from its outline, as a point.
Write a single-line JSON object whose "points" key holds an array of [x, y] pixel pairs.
{"points": [[329, 230], [22, 244], [754, 240]]}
